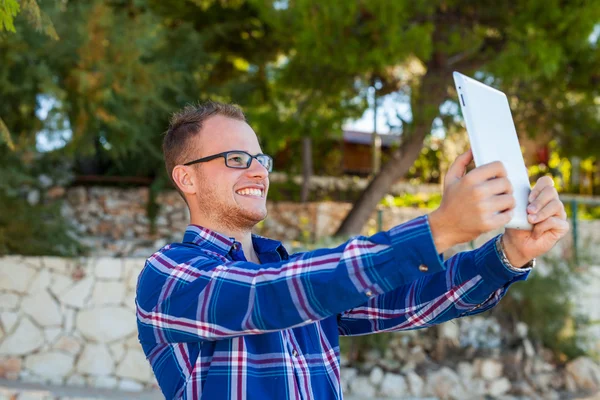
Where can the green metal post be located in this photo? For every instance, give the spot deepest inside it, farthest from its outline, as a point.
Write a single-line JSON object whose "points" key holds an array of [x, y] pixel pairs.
{"points": [[574, 222], [379, 220]]}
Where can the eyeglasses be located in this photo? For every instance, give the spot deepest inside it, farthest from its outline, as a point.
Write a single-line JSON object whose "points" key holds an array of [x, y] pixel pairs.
{"points": [[238, 159]]}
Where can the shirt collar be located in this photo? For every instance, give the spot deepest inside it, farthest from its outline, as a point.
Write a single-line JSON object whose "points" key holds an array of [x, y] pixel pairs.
{"points": [[215, 241]]}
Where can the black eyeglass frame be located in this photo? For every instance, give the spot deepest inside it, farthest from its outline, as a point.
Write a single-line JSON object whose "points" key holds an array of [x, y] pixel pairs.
{"points": [[224, 155]]}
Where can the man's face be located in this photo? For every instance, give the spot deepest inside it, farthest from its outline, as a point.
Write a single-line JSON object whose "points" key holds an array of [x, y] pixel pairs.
{"points": [[229, 196]]}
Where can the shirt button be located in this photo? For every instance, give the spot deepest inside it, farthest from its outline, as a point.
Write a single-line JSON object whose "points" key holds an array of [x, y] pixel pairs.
{"points": [[236, 246], [423, 268], [295, 353], [369, 293]]}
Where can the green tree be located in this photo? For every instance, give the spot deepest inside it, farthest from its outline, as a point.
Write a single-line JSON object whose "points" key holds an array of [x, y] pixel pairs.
{"points": [[535, 50], [38, 19], [539, 52]]}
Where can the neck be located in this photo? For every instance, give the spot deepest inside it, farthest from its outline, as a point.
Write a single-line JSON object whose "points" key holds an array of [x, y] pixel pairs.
{"points": [[244, 236]]}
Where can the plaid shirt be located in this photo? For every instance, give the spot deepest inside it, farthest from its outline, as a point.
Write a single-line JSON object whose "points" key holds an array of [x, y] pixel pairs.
{"points": [[215, 326]]}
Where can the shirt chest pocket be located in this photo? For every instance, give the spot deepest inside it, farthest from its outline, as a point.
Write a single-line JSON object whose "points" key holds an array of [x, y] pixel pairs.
{"points": [[307, 338]]}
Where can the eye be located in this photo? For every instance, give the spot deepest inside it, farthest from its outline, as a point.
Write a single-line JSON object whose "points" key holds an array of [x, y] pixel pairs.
{"points": [[236, 159]]}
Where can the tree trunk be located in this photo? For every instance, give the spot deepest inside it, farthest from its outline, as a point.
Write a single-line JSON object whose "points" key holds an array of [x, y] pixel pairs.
{"points": [[425, 103], [307, 168]]}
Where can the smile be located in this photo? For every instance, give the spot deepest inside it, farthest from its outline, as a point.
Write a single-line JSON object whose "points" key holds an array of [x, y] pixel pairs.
{"points": [[251, 192]]}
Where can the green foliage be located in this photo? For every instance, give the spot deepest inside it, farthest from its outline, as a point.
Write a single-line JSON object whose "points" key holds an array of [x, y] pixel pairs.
{"points": [[8, 10], [426, 168], [121, 67], [545, 303], [35, 17], [584, 211], [417, 200], [30, 222]]}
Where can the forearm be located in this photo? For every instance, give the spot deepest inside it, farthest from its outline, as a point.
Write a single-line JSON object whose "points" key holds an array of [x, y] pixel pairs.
{"points": [[472, 283]]}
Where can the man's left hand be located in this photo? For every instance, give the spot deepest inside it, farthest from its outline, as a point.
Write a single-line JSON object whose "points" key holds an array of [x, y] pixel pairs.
{"points": [[547, 215]]}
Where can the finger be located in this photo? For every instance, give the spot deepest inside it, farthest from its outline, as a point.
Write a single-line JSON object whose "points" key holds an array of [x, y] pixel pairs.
{"points": [[554, 208], [488, 171], [548, 194], [495, 187], [558, 226], [459, 167], [500, 219], [540, 185], [501, 203]]}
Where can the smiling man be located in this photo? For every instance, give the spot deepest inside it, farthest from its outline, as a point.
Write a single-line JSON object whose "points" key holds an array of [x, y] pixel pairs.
{"points": [[226, 314]]}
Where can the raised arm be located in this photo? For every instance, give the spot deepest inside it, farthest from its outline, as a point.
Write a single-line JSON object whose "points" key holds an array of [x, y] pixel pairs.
{"points": [[185, 295], [472, 282]]}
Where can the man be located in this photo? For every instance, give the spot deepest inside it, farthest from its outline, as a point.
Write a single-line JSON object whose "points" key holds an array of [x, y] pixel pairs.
{"points": [[230, 315]]}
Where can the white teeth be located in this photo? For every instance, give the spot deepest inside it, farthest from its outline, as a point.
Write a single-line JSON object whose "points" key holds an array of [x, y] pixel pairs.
{"points": [[250, 192]]}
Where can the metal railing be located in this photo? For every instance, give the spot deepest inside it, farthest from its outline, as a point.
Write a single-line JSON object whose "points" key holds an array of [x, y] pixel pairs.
{"points": [[574, 201]]}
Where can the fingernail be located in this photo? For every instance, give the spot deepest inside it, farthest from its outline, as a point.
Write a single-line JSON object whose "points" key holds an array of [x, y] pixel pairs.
{"points": [[531, 208], [533, 217]]}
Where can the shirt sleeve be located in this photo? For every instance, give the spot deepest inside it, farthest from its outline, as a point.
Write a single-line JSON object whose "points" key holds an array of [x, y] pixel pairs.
{"points": [[185, 295], [471, 283]]}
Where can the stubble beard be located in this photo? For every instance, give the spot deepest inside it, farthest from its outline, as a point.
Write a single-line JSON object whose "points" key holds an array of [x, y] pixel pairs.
{"points": [[229, 216]]}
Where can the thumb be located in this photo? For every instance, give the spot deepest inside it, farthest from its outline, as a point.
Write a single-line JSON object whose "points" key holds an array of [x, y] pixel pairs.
{"points": [[458, 168]]}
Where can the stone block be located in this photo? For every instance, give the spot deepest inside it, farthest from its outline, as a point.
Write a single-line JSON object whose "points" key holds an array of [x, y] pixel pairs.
{"points": [[95, 360], [15, 276], [393, 385], [446, 384], [488, 369], [585, 373], [59, 284], [41, 281], [108, 268], [51, 365], [57, 264], [51, 334], [108, 292], [106, 324], [9, 301], [499, 387], [43, 309], [25, 338], [68, 344], [134, 366], [117, 350], [415, 384], [79, 294], [9, 320], [360, 386]]}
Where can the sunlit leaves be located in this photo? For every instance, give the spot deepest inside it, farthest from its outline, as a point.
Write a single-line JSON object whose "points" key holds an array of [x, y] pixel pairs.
{"points": [[8, 11]]}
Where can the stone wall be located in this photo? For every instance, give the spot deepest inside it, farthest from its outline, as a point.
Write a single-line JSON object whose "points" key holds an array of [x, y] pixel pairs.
{"points": [[114, 222], [71, 322]]}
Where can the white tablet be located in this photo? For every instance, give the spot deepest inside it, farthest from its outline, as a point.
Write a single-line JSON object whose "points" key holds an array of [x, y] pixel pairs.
{"points": [[493, 137]]}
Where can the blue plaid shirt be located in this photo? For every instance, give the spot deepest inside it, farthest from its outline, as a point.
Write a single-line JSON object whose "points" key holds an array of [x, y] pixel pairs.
{"points": [[215, 326]]}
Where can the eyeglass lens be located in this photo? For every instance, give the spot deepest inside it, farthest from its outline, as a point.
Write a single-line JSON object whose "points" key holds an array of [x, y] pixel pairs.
{"points": [[243, 160]]}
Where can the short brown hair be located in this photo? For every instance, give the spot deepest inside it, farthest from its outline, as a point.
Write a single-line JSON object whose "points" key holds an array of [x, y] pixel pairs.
{"points": [[185, 125]]}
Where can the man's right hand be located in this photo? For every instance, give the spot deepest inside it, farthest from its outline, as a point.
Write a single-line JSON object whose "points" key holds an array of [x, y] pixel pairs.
{"points": [[472, 204]]}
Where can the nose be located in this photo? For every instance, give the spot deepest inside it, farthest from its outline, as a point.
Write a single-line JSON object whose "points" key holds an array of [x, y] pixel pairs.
{"points": [[257, 170]]}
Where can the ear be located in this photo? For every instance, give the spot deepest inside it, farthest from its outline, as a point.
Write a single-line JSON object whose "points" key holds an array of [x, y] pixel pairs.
{"points": [[182, 176]]}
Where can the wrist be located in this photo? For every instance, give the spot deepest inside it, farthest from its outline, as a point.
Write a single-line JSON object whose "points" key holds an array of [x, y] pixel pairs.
{"points": [[513, 254], [442, 238]]}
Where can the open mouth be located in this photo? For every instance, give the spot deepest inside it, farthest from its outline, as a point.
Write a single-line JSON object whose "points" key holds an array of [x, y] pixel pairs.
{"points": [[251, 192]]}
